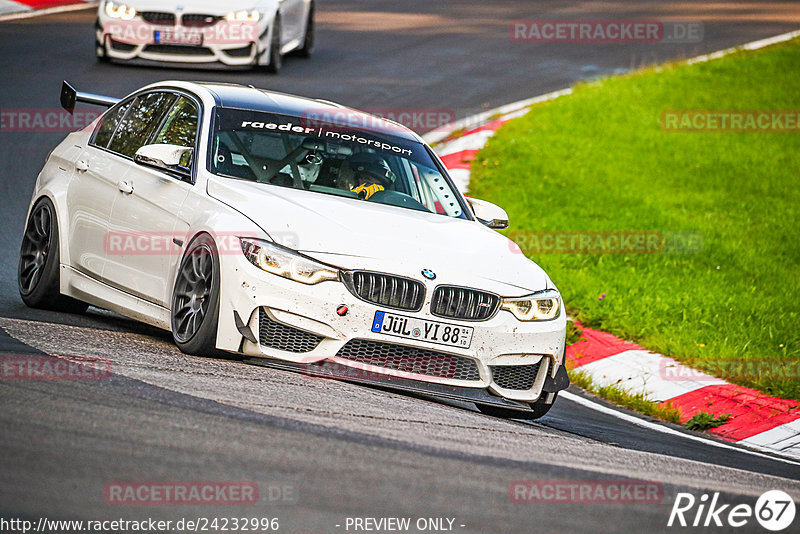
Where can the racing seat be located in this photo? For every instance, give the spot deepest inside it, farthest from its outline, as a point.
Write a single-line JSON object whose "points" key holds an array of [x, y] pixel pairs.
{"points": [[328, 173]]}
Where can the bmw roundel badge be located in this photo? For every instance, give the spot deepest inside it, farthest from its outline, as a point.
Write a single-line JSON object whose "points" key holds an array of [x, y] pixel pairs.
{"points": [[427, 273]]}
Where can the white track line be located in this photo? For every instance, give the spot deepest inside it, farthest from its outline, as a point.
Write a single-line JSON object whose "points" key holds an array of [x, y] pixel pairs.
{"points": [[475, 120], [755, 45], [47, 11], [480, 118], [665, 429]]}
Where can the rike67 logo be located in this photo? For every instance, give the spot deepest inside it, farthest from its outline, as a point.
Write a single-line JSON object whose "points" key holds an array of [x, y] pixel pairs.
{"points": [[774, 510]]}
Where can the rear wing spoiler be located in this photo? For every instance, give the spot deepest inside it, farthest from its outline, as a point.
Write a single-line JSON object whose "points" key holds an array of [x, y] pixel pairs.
{"points": [[69, 96]]}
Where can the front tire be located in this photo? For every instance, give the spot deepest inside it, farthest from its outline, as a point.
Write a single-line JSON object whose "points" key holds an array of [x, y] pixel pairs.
{"points": [[195, 299], [540, 408], [275, 59], [308, 41], [100, 50], [38, 276], [101, 53]]}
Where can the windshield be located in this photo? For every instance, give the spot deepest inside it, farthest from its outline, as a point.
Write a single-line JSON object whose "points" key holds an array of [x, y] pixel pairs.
{"points": [[329, 159]]}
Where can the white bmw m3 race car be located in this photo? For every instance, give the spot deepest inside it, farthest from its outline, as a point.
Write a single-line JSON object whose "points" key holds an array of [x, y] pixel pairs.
{"points": [[293, 232], [236, 33]]}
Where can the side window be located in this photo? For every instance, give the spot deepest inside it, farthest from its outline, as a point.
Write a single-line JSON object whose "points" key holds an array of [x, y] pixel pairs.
{"points": [[140, 122], [180, 127], [108, 124]]}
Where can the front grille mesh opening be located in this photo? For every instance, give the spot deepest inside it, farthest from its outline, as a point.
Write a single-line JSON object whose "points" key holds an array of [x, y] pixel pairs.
{"points": [[120, 46], [244, 51], [283, 337], [516, 377], [178, 50], [464, 303], [410, 360], [159, 18], [388, 290], [193, 20]]}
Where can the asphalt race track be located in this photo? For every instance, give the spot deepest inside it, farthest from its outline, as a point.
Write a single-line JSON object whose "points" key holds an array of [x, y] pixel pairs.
{"points": [[343, 450]]}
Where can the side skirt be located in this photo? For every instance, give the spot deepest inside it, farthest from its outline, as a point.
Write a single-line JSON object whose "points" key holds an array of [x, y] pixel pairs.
{"points": [[82, 287]]}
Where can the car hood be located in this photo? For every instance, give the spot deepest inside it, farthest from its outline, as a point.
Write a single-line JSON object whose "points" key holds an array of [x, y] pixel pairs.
{"points": [[353, 234]]}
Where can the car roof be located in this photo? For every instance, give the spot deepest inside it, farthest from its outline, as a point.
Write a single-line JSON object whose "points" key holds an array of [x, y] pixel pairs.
{"points": [[251, 98]]}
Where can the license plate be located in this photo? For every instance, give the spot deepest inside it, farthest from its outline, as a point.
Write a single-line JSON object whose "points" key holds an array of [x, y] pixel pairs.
{"points": [[180, 38], [392, 324]]}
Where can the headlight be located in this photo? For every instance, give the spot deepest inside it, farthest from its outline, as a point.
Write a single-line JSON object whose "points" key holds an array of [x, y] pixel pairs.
{"points": [[119, 11], [243, 16], [285, 262], [542, 306]]}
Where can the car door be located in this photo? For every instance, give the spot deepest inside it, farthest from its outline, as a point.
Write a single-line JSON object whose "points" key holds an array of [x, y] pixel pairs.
{"points": [[91, 193], [292, 21], [146, 216]]}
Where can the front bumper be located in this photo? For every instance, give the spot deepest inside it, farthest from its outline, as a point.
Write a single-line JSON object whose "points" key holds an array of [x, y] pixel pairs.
{"points": [[310, 331], [119, 46]]}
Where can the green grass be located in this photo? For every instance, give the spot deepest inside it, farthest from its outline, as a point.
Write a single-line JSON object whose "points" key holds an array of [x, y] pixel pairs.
{"points": [[621, 397], [598, 160], [706, 421]]}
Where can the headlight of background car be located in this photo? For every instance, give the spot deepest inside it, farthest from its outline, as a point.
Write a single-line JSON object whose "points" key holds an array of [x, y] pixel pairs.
{"points": [[285, 262], [119, 11], [542, 306], [243, 16]]}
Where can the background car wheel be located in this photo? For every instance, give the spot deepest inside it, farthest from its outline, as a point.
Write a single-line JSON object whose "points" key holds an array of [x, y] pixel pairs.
{"points": [[539, 410], [195, 299], [275, 59], [100, 50], [39, 259], [308, 41]]}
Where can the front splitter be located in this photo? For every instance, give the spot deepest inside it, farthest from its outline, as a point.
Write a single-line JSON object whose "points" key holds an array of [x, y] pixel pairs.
{"points": [[443, 391]]}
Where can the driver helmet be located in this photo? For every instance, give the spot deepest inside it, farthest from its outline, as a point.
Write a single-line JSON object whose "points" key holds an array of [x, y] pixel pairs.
{"points": [[370, 168]]}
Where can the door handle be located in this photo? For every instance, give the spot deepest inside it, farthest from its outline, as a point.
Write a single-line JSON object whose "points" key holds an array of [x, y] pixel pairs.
{"points": [[125, 186], [81, 165]]}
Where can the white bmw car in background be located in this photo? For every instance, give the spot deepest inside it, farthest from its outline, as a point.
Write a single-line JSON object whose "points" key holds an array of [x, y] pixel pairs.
{"points": [[234, 33], [296, 231]]}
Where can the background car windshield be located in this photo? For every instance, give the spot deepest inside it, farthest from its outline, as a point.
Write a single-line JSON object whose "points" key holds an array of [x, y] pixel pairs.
{"points": [[331, 159]]}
